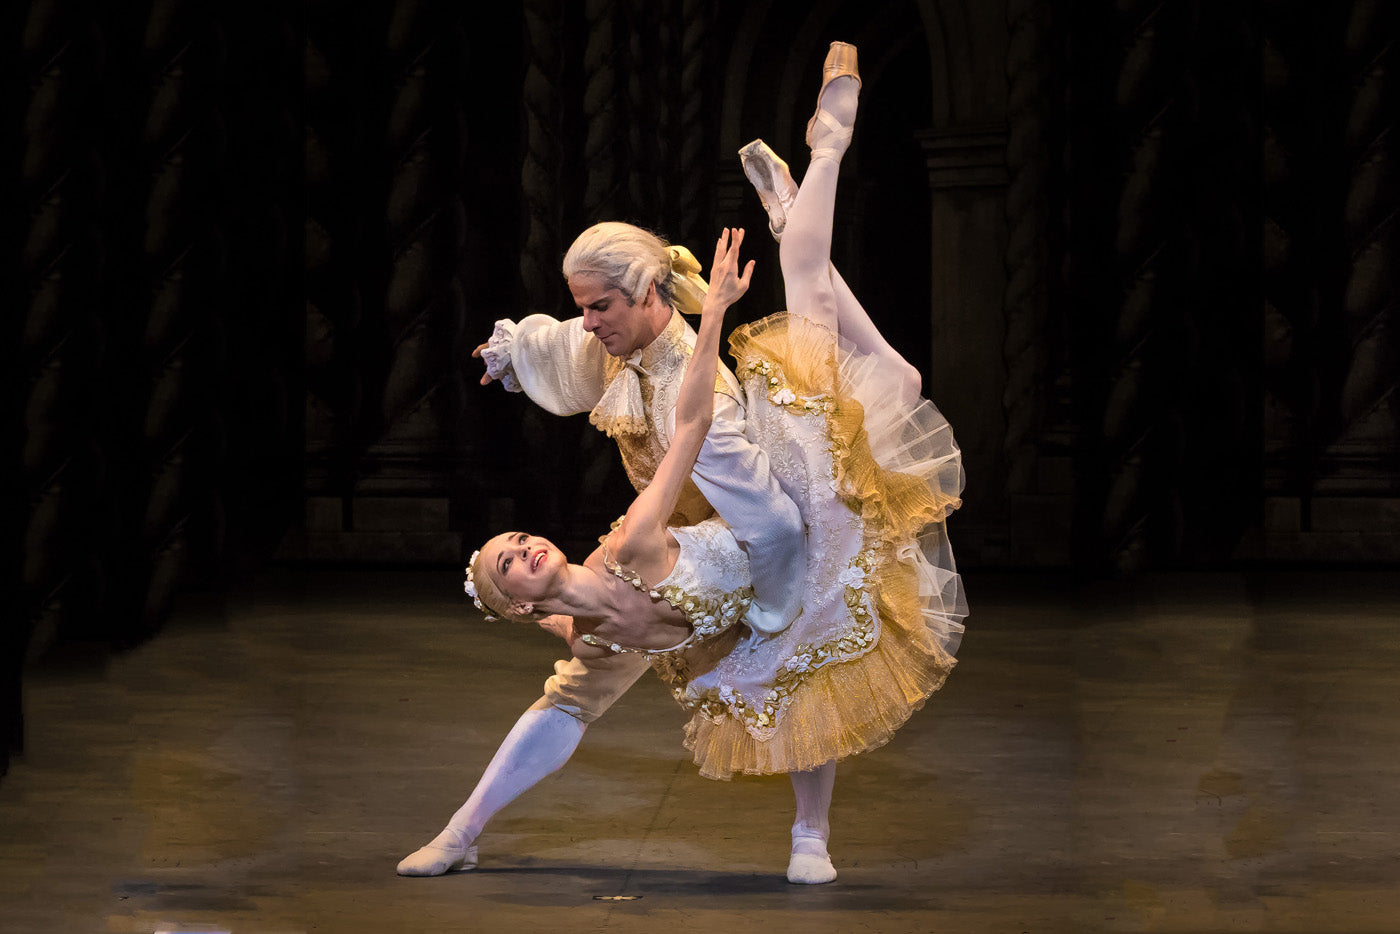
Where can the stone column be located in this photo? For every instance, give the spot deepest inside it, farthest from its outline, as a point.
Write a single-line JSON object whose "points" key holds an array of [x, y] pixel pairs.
{"points": [[967, 183]]}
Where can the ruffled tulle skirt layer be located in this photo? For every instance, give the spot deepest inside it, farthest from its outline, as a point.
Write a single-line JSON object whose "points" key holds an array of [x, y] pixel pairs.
{"points": [[875, 472]]}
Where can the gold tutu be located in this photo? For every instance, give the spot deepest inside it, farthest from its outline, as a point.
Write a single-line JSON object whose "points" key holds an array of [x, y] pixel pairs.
{"points": [[889, 468]]}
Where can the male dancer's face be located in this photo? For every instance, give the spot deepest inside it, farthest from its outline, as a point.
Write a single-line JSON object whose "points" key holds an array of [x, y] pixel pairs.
{"points": [[623, 326]]}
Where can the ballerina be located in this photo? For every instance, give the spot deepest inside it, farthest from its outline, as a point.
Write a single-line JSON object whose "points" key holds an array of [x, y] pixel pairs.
{"points": [[874, 472]]}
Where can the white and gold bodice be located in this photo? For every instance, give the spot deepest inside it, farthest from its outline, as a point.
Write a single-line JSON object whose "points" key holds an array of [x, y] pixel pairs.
{"points": [[710, 584]]}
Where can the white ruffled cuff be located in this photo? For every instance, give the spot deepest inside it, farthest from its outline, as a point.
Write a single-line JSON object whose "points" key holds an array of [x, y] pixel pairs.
{"points": [[497, 355]]}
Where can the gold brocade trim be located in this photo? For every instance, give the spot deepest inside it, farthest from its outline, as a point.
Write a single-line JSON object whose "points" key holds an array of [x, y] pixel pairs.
{"points": [[759, 716], [672, 669], [616, 425], [707, 616], [780, 393]]}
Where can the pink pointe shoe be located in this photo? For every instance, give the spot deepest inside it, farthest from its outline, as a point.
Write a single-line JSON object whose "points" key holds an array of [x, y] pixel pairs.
{"points": [[840, 63], [773, 182]]}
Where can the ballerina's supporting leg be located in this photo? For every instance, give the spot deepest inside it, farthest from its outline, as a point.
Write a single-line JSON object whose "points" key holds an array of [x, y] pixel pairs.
{"points": [[810, 863], [541, 742]]}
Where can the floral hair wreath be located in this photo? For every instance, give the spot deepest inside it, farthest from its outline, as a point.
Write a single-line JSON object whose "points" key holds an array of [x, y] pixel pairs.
{"points": [[470, 587]]}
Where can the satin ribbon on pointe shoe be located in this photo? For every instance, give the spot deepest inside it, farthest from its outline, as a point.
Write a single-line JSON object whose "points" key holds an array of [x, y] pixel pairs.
{"points": [[840, 63]]}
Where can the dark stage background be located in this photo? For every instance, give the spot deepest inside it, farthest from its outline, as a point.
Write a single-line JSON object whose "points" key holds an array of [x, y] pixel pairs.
{"points": [[1143, 252]]}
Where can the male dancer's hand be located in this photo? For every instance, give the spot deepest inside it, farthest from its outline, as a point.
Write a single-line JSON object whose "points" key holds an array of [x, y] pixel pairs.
{"points": [[559, 625], [486, 378]]}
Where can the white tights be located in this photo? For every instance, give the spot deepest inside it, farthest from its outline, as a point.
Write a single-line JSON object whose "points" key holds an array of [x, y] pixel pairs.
{"points": [[810, 863], [542, 740], [814, 288]]}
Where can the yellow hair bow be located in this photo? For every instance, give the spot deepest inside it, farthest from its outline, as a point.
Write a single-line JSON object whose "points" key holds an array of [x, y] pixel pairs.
{"points": [[690, 287]]}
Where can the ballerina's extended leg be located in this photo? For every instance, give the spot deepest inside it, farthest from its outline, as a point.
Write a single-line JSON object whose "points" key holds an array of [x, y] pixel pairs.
{"points": [[853, 323], [829, 131], [541, 741], [777, 190], [814, 288], [805, 251]]}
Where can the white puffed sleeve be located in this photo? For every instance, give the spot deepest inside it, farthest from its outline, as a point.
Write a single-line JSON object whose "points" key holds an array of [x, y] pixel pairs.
{"points": [[733, 474], [558, 364]]}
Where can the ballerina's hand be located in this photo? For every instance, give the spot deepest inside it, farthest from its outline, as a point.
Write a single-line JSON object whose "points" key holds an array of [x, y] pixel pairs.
{"points": [[727, 286]]}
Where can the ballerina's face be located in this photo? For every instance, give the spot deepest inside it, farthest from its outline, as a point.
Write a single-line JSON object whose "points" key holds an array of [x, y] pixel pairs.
{"points": [[524, 567], [622, 325]]}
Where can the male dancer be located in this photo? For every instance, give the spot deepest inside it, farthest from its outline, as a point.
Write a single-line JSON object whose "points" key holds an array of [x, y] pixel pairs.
{"points": [[623, 359]]}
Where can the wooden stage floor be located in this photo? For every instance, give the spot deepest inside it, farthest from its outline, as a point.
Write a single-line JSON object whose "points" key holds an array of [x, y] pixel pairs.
{"points": [[1183, 753]]}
